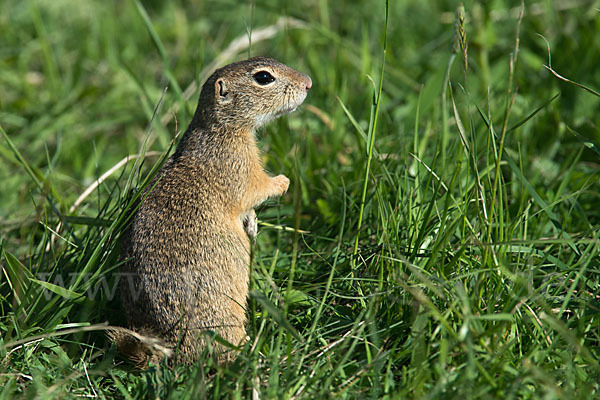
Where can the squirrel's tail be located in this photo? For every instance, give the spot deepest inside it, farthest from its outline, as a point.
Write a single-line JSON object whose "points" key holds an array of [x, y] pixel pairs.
{"points": [[137, 348]]}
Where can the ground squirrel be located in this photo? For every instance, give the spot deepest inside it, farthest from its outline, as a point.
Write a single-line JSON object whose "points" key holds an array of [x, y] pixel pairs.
{"points": [[187, 250]]}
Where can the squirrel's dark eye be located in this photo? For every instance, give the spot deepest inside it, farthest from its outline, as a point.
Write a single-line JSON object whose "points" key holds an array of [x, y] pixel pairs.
{"points": [[263, 77]]}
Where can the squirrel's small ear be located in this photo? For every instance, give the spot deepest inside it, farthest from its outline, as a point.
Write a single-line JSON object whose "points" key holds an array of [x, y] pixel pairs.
{"points": [[221, 92]]}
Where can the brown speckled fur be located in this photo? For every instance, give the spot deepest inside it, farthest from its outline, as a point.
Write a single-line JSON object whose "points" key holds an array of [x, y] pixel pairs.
{"points": [[187, 250]]}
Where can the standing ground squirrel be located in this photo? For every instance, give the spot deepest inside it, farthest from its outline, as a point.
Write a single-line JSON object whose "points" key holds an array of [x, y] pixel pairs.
{"points": [[187, 250]]}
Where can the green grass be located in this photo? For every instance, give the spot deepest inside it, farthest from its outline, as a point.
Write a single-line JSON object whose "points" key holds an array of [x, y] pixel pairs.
{"points": [[450, 245]]}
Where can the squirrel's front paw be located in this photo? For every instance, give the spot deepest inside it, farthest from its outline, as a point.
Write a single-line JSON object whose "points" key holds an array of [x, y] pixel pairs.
{"points": [[281, 182], [251, 224]]}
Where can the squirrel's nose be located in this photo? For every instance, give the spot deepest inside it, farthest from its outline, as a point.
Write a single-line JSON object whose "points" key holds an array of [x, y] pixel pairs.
{"points": [[308, 83]]}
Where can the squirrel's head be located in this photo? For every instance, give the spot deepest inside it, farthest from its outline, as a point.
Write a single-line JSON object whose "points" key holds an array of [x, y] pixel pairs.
{"points": [[250, 93]]}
